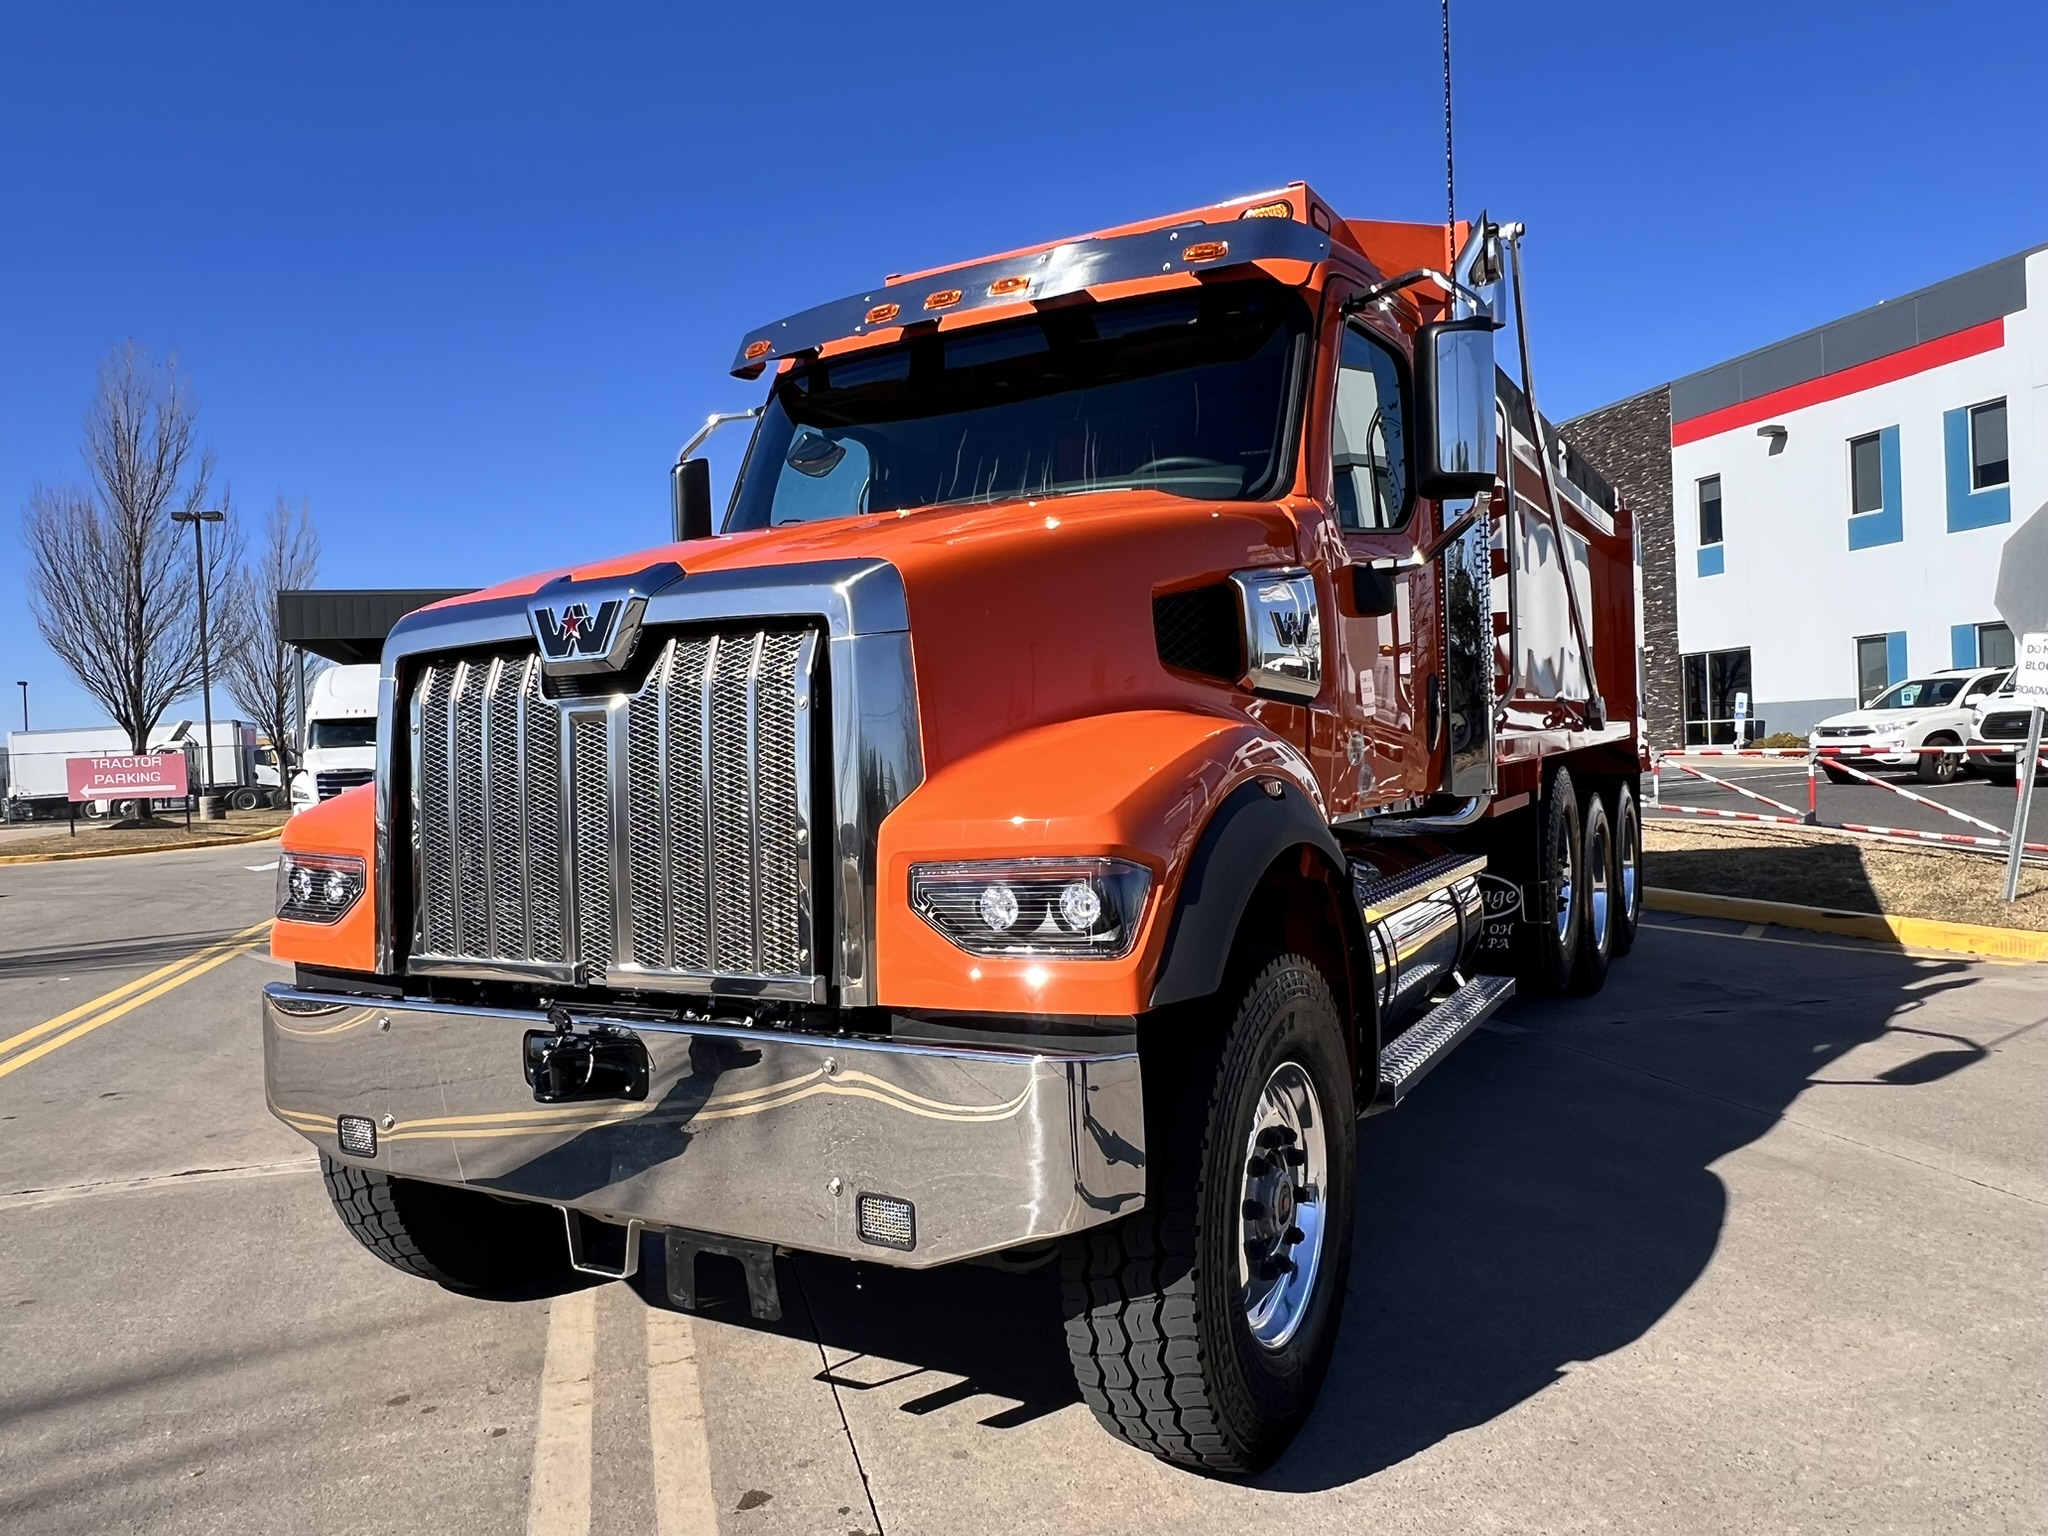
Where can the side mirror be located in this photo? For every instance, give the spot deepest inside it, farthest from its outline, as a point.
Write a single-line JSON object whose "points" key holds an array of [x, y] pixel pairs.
{"points": [[690, 499], [1454, 378]]}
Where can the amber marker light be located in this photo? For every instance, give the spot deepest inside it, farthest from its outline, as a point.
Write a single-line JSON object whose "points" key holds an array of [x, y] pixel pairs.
{"points": [[1280, 210], [1205, 250], [945, 298], [757, 349], [1003, 287], [882, 314]]}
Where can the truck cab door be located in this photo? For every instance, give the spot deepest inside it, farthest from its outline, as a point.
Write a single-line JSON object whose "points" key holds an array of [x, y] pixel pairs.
{"points": [[1378, 753]]}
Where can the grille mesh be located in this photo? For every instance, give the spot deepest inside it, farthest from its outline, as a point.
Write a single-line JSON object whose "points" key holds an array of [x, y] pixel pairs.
{"points": [[698, 783]]}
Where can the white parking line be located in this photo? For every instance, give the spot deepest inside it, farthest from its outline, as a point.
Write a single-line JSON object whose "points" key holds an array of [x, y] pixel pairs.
{"points": [[259, 869], [683, 1502], [560, 1499]]}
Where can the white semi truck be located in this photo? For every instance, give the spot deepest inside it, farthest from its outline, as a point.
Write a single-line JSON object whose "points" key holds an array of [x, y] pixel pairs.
{"points": [[340, 749]]}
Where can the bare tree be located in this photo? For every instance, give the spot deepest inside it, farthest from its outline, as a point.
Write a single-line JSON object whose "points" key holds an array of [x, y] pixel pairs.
{"points": [[262, 671], [110, 575]]}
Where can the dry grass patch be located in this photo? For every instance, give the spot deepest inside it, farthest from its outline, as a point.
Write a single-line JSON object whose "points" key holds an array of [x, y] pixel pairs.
{"points": [[1843, 874], [100, 836]]}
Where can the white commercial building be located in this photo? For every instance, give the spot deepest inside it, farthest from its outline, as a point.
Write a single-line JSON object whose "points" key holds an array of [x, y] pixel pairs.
{"points": [[1838, 501]]}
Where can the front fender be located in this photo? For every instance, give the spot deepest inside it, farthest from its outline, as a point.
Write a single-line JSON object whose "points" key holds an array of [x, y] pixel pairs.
{"points": [[1140, 784], [347, 824]]}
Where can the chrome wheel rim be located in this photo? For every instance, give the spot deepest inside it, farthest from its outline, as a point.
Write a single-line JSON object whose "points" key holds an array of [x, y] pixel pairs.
{"points": [[1565, 873], [1598, 856], [1281, 1210]]}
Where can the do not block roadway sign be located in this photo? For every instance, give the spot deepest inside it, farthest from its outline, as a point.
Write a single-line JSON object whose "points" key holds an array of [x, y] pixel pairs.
{"points": [[123, 778], [2030, 677]]}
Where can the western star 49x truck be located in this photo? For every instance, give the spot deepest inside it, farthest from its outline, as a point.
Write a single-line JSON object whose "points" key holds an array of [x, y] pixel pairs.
{"points": [[1148, 699]]}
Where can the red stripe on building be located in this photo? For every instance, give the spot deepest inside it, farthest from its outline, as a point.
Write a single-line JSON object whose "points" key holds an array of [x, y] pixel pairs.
{"points": [[1988, 337]]}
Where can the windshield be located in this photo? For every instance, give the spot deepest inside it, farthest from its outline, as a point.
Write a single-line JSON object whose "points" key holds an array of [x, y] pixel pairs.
{"points": [[1922, 693], [342, 733], [1187, 393]]}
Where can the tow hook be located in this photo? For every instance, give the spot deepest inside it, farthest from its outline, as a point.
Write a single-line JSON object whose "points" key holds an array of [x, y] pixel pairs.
{"points": [[600, 1062]]}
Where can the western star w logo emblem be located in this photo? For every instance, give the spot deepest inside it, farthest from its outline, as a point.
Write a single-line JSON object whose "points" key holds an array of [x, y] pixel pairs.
{"points": [[573, 631]]}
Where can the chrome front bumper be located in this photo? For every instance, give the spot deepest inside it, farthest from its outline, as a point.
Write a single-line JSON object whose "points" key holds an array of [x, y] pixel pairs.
{"points": [[744, 1133]]}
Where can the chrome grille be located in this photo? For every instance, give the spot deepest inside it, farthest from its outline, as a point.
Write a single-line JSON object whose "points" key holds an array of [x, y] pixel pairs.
{"points": [[659, 838]]}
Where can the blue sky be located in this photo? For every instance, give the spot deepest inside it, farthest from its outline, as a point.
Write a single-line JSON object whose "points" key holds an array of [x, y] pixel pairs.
{"points": [[466, 275]]}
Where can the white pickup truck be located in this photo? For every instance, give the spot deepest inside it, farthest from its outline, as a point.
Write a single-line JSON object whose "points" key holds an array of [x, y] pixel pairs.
{"points": [[1937, 710]]}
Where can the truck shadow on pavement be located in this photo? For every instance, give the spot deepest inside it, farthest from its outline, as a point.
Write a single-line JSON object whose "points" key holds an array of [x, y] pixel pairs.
{"points": [[1542, 1201]]}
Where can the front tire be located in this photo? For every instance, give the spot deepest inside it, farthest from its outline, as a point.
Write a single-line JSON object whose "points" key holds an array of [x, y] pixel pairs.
{"points": [[1200, 1328], [1939, 767], [457, 1238]]}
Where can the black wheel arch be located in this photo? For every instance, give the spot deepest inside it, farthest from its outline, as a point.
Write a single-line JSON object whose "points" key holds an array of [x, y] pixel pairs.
{"points": [[1259, 843]]}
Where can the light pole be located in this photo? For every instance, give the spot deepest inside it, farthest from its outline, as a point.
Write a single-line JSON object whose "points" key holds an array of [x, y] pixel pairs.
{"points": [[198, 519], [22, 684]]}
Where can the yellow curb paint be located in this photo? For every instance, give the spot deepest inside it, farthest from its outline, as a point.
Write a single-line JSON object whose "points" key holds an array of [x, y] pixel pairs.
{"points": [[188, 973], [126, 853], [1912, 932], [36, 1030]]}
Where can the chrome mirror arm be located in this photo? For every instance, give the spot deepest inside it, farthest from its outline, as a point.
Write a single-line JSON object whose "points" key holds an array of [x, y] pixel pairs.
{"points": [[712, 423]]}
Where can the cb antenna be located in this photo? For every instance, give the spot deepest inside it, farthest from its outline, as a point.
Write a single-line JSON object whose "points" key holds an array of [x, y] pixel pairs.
{"points": [[1450, 163]]}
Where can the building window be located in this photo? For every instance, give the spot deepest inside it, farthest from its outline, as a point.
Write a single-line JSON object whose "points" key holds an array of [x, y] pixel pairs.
{"points": [[1866, 476], [1989, 464], [1875, 514], [1880, 662], [1710, 510], [1994, 646], [1717, 696]]}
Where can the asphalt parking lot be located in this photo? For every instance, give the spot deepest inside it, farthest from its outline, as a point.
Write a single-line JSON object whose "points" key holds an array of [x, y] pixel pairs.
{"points": [[1752, 1241]]}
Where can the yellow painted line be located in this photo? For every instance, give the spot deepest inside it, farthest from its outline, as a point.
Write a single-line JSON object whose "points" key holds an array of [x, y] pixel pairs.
{"points": [[125, 988], [1911, 932], [683, 1502], [560, 1500], [188, 973]]}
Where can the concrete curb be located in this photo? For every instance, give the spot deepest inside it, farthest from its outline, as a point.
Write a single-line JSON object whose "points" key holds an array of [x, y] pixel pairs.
{"points": [[1910, 932], [129, 853]]}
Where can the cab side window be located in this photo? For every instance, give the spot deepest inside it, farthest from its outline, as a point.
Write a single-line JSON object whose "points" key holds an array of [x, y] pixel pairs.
{"points": [[1369, 438]]}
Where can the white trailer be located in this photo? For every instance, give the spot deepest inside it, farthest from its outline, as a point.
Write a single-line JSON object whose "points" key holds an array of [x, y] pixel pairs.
{"points": [[37, 785]]}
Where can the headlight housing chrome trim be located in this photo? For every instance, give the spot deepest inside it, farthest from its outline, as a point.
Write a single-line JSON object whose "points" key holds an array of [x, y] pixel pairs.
{"points": [[1082, 908], [318, 887]]}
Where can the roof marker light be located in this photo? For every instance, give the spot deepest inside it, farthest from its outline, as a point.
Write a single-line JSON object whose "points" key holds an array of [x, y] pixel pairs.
{"points": [[945, 298], [1205, 250], [1003, 287], [757, 349], [882, 314], [1280, 210]]}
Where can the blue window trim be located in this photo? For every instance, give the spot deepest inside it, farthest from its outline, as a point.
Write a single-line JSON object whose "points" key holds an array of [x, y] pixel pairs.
{"points": [[1886, 525], [1967, 508], [1962, 645], [1712, 561], [1895, 657]]}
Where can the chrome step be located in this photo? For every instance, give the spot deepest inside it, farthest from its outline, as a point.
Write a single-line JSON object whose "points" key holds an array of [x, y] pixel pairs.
{"points": [[1408, 1058]]}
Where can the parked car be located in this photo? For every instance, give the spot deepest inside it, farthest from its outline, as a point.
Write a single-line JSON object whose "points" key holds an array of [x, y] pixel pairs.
{"points": [[1998, 733], [1938, 710]]}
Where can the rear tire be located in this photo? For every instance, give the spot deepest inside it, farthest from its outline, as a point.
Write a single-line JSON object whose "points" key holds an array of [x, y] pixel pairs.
{"points": [[1187, 1339], [456, 1238], [1939, 767], [1551, 949], [1628, 853], [245, 800], [1600, 871]]}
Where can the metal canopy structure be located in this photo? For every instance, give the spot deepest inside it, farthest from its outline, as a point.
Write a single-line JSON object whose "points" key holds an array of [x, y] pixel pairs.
{"points": [[349, 627]]}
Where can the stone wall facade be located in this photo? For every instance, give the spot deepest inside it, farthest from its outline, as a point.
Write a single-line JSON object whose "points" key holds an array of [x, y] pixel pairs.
{"points": [[1630, 443]]}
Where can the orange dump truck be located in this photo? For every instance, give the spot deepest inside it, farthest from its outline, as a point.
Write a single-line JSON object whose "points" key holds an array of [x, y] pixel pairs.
{"points": [[1149, 698]]}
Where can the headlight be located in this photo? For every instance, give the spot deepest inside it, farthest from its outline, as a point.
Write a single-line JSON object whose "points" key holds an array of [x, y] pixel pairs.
{"points": [[303, 790], [317, 887], [1080, 909]]}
